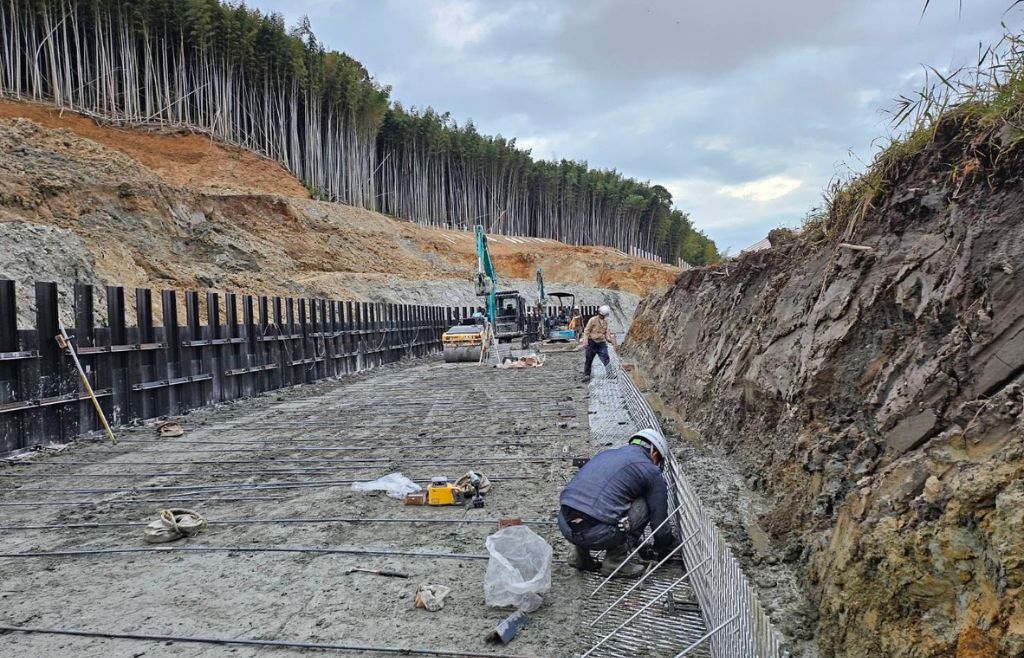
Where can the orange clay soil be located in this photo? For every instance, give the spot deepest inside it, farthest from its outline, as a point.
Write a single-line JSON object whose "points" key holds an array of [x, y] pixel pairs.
{"points": [[230, 218], [181, 159]]}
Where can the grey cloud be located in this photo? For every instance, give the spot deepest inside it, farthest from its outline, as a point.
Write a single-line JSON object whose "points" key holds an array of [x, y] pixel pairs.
{"points": [[621, 84]]}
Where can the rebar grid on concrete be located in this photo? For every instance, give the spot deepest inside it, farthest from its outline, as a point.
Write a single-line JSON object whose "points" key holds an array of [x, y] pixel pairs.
{"points": [[433, 446], [263, 444], [380, 440], [268, 460], [375, 464]]}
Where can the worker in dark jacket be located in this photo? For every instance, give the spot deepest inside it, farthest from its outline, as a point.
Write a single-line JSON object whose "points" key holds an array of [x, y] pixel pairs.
{"points": [[611, 500]]}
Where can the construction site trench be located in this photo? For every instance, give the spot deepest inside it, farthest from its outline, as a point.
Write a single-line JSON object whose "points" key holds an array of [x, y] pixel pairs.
{"points": [[273, 477]]}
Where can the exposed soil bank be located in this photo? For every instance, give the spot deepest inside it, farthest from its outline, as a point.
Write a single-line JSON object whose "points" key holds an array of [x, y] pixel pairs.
{"points": [[178, 211], [873, 397]]}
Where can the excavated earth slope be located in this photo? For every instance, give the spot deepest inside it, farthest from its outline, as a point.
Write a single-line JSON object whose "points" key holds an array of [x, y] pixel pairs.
{"points": [[873, 396], [101, 204]]}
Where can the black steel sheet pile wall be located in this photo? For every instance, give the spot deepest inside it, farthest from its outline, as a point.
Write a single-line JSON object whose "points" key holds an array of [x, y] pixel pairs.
{"points": [[246, 346]]}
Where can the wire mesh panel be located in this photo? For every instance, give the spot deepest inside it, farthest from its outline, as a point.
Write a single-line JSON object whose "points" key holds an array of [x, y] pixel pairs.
{"points": [[660, 616], [159, 367], [672, 622], [738, 626]]}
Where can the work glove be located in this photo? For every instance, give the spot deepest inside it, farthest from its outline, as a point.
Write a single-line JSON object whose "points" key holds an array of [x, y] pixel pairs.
{"points": [[647, 553], [663, 548]]}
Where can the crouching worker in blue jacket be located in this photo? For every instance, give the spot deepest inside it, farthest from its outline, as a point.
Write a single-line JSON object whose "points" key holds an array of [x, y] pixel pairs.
{"points": [[610, 502]]}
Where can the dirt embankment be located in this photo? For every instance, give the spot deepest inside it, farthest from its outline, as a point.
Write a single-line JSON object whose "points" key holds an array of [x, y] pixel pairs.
{"points": [[81, 201], [180, 159], [873, 396]]}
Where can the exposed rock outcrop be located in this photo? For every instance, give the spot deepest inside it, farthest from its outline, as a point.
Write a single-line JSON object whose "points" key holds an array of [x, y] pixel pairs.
{"points": [[873, 393]]}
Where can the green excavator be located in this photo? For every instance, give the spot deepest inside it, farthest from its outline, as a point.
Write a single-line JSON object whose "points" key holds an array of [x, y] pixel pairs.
{"points": [[554, 322]]}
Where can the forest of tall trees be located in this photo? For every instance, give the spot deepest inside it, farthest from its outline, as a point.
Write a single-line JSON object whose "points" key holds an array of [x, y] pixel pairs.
{"points": [[243, 77]]}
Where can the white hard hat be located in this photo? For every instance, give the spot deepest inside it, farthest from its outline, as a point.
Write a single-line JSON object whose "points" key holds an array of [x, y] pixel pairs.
{"points": [[605, 311], [654, 439]]}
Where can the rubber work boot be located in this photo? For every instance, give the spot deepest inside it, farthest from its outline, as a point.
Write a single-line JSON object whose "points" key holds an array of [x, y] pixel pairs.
{"points": [[580, 558], [616, 556]]}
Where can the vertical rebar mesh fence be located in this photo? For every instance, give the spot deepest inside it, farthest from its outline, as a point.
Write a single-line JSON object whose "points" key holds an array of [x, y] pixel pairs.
{"points": [[738, 626]]}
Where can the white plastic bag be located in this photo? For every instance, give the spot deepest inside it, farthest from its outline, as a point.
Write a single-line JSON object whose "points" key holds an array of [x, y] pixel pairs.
{"points": [[519, 569], [395, 485]]}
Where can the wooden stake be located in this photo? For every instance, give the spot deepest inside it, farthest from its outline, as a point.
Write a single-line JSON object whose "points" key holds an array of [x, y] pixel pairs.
{"points": [[65, 344]]}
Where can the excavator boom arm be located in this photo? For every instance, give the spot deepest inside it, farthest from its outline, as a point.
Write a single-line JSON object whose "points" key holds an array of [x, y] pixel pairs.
{"points": [[486, 276]]}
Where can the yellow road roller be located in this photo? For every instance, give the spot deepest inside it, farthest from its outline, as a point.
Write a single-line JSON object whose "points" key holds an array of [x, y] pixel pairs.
{"points": [[464, 343]]}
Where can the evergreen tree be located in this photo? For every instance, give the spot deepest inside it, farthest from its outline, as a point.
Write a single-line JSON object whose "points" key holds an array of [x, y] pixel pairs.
{"points": [[241, 76]]}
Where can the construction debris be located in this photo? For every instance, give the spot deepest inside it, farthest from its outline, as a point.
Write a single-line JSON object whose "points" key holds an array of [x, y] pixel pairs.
{"points": [[525, 361], [519, 569], [394, 485], [170, 430], [174, 524], [509, 628], [377, 572], [431, 597]]}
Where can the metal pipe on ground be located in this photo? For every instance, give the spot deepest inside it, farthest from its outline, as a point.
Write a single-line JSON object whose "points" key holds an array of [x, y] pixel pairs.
{"points": [[234, 486], [335, 448], [286, 521], [281, 644], [147, 501], [291, 471], [243, 549], [269, 460]]}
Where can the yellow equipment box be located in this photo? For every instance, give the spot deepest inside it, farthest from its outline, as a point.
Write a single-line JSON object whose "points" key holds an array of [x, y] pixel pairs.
{"points": [[442, 492]]}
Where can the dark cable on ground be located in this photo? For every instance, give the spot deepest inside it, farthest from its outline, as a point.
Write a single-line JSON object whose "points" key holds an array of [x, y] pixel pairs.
{"points": [[284, 644]]}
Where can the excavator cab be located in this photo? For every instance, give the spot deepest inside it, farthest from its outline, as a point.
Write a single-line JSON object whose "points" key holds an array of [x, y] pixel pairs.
{"points": [[511, 320], [558, 324]]}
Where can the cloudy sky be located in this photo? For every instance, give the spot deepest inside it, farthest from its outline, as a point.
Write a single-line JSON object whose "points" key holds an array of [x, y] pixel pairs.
{"points": [[744, 110]]}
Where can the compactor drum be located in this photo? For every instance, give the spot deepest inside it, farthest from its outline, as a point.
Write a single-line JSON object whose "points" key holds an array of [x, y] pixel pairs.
{"points": [[463, 343]]}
